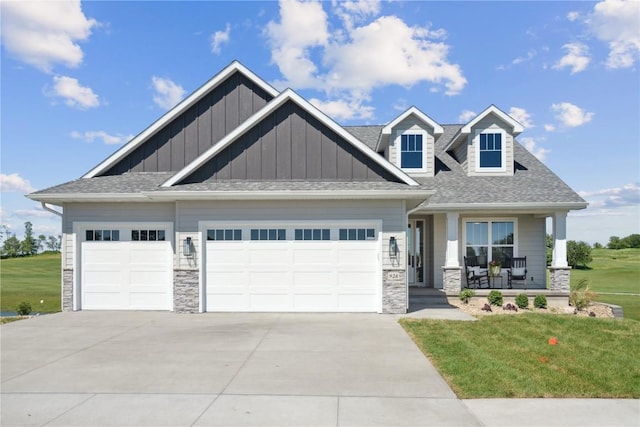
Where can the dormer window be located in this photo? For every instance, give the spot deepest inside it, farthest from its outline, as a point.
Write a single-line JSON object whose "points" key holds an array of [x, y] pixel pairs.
{"points": [[490, 151], [411, 150]]}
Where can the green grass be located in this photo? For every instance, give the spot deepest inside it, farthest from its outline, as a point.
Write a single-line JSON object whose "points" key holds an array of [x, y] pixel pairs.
{"points": [[615, 271], [31, 279], [509, 356]]}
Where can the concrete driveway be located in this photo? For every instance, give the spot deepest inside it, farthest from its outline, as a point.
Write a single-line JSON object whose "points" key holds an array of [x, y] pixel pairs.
{"points": [[165, 369], [137, 368]]}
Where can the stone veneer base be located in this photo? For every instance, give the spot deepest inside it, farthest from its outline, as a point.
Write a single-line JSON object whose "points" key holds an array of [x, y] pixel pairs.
{"points": [[186, 291], [559, 279], [67, 289], [451, 277], [394, 291]]}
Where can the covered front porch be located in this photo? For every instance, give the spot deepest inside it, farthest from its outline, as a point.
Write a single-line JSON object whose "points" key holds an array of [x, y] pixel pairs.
{"points": [[438, 242]]}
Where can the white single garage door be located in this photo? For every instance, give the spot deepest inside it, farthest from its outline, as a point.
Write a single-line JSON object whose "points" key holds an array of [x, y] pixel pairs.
{"points": [[126, 275], [306, 268]]}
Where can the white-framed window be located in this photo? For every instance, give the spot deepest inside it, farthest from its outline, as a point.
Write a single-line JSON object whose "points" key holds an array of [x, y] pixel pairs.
{"points": [[491, 239], [102, 235], [148, 235], [312, 234], [356, 234], [490, 150], [268, 234], [411, 146]]}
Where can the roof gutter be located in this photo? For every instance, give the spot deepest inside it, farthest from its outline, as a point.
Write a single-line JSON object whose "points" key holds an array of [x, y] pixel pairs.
{"points": [[48, 209], [528, 207]]}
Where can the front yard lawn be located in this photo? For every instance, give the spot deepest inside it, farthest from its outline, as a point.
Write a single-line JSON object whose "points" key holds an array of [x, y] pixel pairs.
{"points": [[510, 356]]}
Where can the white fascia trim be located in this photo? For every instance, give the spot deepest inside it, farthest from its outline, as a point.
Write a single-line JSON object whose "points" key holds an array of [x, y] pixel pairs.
{"points": [[461, 207], [86, 197], [287, 95], [517, 128], [184, 105], [289, 195], [437, 129]]}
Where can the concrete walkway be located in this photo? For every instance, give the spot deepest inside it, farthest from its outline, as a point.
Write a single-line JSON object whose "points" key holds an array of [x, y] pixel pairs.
{"points": [[165, 369]]}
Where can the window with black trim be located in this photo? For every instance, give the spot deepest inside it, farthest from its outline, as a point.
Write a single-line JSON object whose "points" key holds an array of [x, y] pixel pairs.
{"points": [[222, 234], [148, 235], [357, 234], [312, 234], [268, 234], [102, 235]]}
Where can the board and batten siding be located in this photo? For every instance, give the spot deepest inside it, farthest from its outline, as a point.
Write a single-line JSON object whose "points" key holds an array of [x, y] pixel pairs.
{"points": [[489, 123], [290, 144], [110, 212], [193, 132], [390, 213]]}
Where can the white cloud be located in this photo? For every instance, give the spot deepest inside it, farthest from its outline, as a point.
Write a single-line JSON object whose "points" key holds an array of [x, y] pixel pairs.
{"points": [[33, 213], [466, 116], [519, 60], [617, 22], [353, 59], [577, 58], [627, 195], [14, 183], [45, 33], [571, 115], [353, 12], [572, 16], [303, 25], [531, 145], [219, 38], [73, 93], [522, 116], [549, 127], [343, 109], [92, 135], [167, 93]]}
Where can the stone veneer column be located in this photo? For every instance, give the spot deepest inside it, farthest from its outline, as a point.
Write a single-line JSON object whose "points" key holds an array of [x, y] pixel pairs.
{"points": [[394, 291], [186, 291], [67, 289], [559, 279], [451, 280]]}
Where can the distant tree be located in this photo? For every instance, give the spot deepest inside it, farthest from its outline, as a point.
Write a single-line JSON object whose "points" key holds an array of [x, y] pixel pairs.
{"points": [[12, 247], [54, 243], [578, 253], [614, 243], [631, 241], [42, 239], [29, 243], [549, 248], [597, 245], [5, 233]]}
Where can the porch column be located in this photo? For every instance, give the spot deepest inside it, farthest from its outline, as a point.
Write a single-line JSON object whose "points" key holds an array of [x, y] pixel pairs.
{"points": [[452, 240], [559, 240], [559, 271], [451, 270]]}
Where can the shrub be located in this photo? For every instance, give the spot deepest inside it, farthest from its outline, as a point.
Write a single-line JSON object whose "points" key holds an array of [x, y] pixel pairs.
{"points": [[495, 298], [510, 307], [486, 307], [466, 295], [540, 301], [23, 309], [581, 295], [522, 301]]}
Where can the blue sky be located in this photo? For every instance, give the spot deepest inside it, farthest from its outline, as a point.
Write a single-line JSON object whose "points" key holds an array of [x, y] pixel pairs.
{"points": [[80, 79]]}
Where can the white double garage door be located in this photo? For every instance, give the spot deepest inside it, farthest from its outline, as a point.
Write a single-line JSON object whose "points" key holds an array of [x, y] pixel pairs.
{"points": [[243, 267]]}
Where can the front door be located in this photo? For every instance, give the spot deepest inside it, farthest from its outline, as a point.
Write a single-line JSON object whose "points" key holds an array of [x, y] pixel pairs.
{"points": [[415, 252]]}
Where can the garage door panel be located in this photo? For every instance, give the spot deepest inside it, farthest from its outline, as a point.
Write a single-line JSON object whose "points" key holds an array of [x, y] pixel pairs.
{"points": [[293, 275], [126, 275]]}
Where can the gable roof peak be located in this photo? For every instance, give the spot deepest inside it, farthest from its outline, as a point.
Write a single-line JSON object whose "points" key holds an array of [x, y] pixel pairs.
{"points": [[415, 111], [181, 107], [492, 109]]}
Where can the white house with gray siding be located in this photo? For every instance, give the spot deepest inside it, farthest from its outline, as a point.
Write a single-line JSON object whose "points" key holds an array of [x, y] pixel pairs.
{"points": [[243, 198]]}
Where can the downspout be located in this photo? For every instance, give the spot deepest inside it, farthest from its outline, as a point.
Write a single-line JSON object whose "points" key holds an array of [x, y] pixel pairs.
{"points": [[48, 209]]}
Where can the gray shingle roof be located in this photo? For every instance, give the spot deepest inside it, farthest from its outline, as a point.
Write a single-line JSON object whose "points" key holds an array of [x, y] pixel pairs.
{"points": [[531, 183]]}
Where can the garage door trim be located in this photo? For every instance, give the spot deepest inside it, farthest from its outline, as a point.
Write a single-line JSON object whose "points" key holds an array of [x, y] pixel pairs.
{"points": [[79, 230], [203, 226]]}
